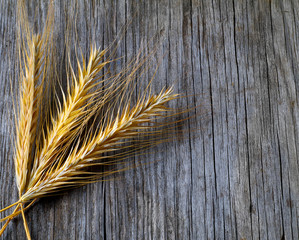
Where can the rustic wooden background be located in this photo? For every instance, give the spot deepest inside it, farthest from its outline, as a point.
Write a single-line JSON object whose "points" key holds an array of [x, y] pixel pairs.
{"points": [[235, 175]]}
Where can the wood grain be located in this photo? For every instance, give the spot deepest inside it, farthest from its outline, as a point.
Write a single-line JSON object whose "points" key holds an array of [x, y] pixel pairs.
{"points": [[234, 175]]}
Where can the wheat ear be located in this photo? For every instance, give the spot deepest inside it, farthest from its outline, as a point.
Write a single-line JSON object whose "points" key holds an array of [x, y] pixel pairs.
{"points": [[71, 114], [72, 172], [32, 50], [28, 112]]}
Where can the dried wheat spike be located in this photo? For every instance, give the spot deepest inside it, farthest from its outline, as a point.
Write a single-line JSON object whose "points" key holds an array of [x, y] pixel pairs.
{"points": [[73, 171], [28, 111], [71, 113]]}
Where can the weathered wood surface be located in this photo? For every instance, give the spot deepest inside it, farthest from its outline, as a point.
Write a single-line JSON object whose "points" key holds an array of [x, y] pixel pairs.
{"points": [[236, 173]]}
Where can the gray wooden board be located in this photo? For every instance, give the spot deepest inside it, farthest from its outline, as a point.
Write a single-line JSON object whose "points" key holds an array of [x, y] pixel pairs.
{"points": [[234, 175]]}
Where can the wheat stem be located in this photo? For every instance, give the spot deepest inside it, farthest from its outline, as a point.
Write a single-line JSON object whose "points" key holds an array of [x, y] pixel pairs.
{"points": [[8, 220], [14, 214], [10, 206], [25, 223]]}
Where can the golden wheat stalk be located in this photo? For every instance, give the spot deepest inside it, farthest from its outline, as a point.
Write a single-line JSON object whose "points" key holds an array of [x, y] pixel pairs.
{"points": [[29, 107], [28, 115], [33, 52]]}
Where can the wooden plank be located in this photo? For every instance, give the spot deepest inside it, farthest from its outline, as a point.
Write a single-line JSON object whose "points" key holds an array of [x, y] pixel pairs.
{"points": [[234, 175]]}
